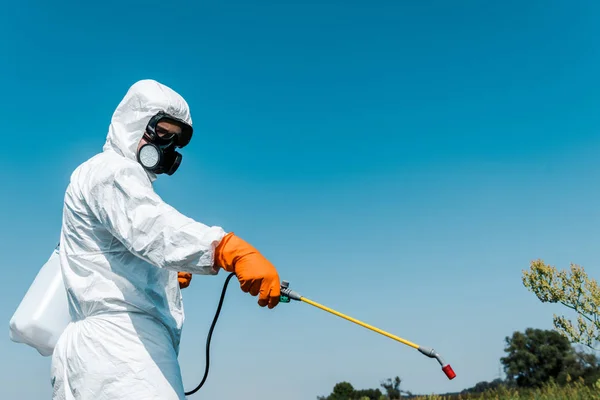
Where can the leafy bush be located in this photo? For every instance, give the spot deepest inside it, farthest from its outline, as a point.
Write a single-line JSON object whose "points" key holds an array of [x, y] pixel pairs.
{"points": [[577, 390]]}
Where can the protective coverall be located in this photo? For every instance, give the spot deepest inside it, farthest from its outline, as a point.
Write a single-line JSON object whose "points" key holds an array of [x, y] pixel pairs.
{"points": [[121, 248]]}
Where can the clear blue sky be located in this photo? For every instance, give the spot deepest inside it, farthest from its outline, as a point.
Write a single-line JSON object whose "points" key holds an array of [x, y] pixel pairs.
{"points": [[401, 162]]}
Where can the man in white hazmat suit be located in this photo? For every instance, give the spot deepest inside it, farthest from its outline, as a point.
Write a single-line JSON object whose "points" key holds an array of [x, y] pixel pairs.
{"points": [[121, 249]]}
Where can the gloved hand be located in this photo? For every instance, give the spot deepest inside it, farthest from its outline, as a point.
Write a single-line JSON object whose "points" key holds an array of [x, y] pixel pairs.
{"points": [[254, 272], [184, 279]]}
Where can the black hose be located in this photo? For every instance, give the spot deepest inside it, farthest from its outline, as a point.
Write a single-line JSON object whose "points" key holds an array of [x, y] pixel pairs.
{"points": [[212, 327]]}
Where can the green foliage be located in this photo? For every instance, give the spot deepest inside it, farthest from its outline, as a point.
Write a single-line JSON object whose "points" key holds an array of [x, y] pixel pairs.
{"points": [[536, 356], [368, 394], [484, 386], [577, 390], [341, 391], [392, 388], [573, 289], [587, 368], [345, 391]]}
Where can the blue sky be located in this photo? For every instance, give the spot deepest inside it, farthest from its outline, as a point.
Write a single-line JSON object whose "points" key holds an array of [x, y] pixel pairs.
{"points": [[401, 162]]}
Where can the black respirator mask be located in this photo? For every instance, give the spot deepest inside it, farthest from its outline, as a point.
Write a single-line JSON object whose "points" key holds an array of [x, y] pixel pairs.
{"points": [[159, 155]]}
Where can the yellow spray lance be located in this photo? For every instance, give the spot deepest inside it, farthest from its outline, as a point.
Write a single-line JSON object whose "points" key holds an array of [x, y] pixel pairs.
{"points": [[286, 296]]}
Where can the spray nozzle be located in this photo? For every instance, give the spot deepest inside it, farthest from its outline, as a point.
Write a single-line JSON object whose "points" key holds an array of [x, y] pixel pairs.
{"points": [[287, 293], [284, 298], [449, 371], [431, 353]]}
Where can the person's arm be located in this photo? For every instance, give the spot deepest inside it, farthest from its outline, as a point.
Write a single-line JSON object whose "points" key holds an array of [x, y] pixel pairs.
{"points": [[126, 204]]}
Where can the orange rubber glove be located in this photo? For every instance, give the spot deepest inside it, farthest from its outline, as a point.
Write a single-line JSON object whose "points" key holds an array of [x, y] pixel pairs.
{"points": [[184, 279], [255, 273]]}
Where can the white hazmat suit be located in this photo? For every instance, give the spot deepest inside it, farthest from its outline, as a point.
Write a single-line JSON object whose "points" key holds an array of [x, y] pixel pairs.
{"points": [[121, 248]]}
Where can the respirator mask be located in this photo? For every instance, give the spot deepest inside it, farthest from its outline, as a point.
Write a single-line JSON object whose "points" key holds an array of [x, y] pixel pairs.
{"points": [[158, 155]]}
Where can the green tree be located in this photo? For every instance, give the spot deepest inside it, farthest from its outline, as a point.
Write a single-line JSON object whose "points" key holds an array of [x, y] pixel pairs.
{"points": [[587, 366], [369, 394], [538, 356], [342, 391], [484, 386], [573, 289], [345, 391], [392, 388]]}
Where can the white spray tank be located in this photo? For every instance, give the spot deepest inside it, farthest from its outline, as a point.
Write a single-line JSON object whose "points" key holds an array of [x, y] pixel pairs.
{"points": [[43, 313]]}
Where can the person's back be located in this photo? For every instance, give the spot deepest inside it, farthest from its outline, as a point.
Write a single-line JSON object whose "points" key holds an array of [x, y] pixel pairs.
{"points": [[121, 250]]}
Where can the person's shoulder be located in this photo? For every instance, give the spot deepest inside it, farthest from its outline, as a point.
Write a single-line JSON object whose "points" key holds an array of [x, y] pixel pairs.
{"points": [[106, 168]]}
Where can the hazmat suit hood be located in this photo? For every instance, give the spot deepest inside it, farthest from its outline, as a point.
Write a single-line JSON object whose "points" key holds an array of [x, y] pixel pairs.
{"points": [[142, 101]]}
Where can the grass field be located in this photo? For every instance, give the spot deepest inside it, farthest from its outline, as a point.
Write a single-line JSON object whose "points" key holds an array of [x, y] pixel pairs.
{"points": [[572, 391]]}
